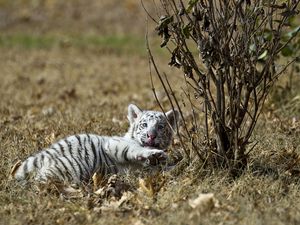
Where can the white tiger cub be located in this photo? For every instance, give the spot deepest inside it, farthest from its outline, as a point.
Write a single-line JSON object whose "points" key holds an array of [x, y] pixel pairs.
{"points": [[76, 158]]}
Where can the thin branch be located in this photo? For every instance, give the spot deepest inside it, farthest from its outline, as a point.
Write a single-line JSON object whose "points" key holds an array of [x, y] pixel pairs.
{"points": [[148, 13]]}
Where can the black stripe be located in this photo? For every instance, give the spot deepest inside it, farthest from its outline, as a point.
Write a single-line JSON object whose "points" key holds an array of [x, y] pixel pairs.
{"points": [[50, 154], [51, 173], [42, 159], [116, 152], [51, 158], [55, 152], [95, 154], [85, 174], [65, 151], [109, 163], [105, 163], [56, 163], [80, 146], [67, 158], [84, 160], [35, 162], [67, 172], [69, 144], [112, 166], [74, 158], [61, 148], [25, 168], [59, 170], [100, 166], [125, 152], [87, 155], [105, 158], [81, 173]]}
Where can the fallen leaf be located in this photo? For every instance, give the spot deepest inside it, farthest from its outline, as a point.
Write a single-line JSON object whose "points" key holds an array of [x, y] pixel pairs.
{"points": [[14, 168], [138, 222], [113, 187], [204, 202], [145, 187], [98, 181], [71, 192], [116, 204], [100, 191]]}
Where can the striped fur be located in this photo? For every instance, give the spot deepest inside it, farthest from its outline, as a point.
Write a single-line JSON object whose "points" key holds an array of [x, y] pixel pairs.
{"points": [[76, 158]]}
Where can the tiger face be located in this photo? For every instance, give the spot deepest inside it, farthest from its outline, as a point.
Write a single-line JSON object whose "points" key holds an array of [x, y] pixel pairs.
{"points": [[151, 128]]}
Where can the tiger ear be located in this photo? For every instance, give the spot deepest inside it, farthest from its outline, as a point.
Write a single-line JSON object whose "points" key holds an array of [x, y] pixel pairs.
{"points": [[133, 112], [173, 118]]}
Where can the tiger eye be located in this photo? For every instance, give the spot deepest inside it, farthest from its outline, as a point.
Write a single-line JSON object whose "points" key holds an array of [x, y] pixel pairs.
{"points": [[160, 126]]}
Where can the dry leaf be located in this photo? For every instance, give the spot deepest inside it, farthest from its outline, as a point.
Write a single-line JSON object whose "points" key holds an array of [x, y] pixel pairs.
{"points": [[125, 198], [145, 187], [115, 205], [71, 192], [14, 168], [98, 180], [114, 187], [138, 222], [204, 202], [151, 185], [100, 191]]}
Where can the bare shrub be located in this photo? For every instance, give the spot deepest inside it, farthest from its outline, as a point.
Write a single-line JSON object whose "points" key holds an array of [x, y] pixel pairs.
{"points": [[228, 52]]}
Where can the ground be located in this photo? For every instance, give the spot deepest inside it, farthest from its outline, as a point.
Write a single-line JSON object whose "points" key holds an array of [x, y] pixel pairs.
{"points": [[74, 68]]}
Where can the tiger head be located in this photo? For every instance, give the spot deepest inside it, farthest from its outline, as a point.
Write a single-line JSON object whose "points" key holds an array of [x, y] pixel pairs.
{"points": [[151, 128]]}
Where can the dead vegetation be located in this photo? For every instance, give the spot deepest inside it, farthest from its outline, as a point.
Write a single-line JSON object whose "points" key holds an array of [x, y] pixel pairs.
{"points": [[49, 93], [230, 65]]}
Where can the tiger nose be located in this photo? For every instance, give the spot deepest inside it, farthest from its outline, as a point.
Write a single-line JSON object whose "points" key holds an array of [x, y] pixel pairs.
{"points": [[151, 136]]}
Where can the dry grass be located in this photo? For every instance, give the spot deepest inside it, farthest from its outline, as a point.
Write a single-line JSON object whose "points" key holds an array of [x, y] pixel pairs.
{"points": [[50, 92]]}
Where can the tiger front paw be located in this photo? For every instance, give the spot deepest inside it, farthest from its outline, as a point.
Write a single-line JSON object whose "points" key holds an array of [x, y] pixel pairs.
{"points": [[152, 157]]}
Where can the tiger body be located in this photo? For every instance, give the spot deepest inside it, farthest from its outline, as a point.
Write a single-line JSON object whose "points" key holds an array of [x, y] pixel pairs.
{"points": [[76, 158]]}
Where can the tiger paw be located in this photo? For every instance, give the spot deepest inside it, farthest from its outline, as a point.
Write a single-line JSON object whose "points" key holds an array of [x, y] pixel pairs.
{"points": [[152, 157]]}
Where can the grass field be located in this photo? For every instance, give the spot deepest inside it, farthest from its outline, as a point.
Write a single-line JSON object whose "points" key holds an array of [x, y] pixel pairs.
{"points": [[73, 68]]}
